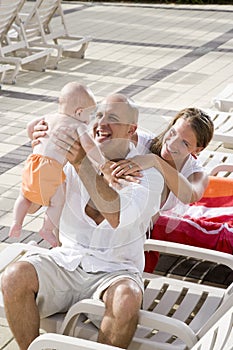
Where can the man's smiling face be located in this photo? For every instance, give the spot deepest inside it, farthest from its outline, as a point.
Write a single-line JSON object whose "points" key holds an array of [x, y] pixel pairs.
{"points": [[113, 127]]}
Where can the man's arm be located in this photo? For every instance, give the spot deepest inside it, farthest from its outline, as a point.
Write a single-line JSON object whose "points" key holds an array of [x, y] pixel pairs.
{"points": [[105, 199]]}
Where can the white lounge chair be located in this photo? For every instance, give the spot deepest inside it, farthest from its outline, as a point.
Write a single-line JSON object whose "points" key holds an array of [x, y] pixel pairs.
{"points": [[163, 296], [219, 337], [17, 52], [198, 305], [40, 30], [224, 100], [223, 126], [3, 69], [217, 163], [13, 252], [62, 342]]}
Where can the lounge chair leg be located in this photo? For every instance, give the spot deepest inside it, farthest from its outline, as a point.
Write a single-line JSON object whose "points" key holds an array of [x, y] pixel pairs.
{"points": [[9, 78], [76, 54], [37, 65], [52, 62]]}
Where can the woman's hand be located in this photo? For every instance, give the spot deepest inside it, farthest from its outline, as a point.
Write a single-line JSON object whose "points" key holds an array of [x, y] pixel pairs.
{"points": [[126, 167], [113, 180], [135, 165]]}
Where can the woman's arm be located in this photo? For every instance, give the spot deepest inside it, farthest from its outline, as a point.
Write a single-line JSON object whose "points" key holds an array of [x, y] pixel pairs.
{"points": [[186, 190]]}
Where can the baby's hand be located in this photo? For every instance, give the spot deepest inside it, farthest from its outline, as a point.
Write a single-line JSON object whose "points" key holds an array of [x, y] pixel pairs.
{"points": [[39, 130]]}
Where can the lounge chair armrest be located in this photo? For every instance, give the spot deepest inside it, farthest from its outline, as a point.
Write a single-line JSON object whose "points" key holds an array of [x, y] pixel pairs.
{"points": [[14, 251], [87, 306], [146, 319], [221, 167], [61, 342], [169, 325]]}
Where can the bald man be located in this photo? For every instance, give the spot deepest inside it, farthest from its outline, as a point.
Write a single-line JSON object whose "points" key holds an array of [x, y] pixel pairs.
{"points": [[102, 231]]}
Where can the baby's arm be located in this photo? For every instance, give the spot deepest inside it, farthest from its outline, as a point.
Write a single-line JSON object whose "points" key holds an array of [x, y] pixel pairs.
{"points": [[31, 127], [90, 147]]}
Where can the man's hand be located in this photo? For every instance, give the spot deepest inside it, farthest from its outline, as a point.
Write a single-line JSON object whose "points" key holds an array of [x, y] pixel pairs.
{"points": [[67, 140]]}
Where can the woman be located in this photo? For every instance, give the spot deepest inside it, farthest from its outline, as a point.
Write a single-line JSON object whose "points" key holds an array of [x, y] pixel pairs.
{"points": [[174, 152]]}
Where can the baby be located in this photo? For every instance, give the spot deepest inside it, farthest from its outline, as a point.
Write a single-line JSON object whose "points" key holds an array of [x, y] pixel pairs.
{"points": [[43, 179]]}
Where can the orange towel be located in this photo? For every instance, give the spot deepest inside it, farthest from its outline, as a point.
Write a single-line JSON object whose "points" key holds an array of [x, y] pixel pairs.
{"points": [[219, 187]]}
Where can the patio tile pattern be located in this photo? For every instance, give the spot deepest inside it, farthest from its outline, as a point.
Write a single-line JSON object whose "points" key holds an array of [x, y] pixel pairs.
{"points": [[166, 57]]}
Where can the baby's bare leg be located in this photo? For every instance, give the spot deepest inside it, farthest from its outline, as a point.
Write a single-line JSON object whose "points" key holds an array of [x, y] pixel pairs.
{"points": [[21, 208], [49, 230], [33, 208]]}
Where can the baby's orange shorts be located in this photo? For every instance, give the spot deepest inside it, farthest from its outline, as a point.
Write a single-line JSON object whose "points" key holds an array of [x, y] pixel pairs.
{"points": [[41, 178]]}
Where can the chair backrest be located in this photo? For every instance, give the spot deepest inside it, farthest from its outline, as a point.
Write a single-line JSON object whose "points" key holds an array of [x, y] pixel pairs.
{"points": [[211, 160], [38, 20], [8, 13], [223, 124], [224, 100]]}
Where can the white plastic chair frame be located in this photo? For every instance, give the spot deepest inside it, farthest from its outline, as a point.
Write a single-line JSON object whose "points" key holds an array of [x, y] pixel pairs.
{"points": [[219, 337], [39, 29], [17, 52], [223, 126]]}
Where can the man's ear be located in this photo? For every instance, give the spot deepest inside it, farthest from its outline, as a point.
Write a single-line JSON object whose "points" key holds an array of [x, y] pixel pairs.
{"points": [[132, 129], [78, 111]]}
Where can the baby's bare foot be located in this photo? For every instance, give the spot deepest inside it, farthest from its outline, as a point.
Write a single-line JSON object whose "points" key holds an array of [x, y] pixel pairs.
{"points": [[15, 230], [49, 237]]}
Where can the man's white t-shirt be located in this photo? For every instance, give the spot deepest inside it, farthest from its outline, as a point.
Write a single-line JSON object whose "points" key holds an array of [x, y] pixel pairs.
{"points": [[100, 247]]}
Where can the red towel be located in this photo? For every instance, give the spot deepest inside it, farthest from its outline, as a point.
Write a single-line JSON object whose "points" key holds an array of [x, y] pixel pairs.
{"points": [[207, 223]]}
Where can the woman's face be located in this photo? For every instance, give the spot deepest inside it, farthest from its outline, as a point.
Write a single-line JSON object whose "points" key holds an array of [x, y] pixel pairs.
{"points": [[179, 142]]}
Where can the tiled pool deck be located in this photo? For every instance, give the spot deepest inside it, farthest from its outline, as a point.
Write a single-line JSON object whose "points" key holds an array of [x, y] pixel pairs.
{"points": [[166, 57]]}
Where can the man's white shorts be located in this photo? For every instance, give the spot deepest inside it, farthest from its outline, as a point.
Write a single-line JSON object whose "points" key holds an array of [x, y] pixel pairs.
{"points": [[59, 289]]}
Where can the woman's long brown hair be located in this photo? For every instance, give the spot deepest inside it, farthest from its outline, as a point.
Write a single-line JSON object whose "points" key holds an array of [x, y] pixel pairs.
{"points": [[201, 125]]}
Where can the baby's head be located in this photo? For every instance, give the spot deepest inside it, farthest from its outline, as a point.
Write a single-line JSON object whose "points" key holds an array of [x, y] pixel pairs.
{"points": [[77, 101]]}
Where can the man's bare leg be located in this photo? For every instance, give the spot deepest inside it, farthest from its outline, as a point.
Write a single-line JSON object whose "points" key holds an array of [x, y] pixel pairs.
{"points": [[20, 285], [122, 300]]}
